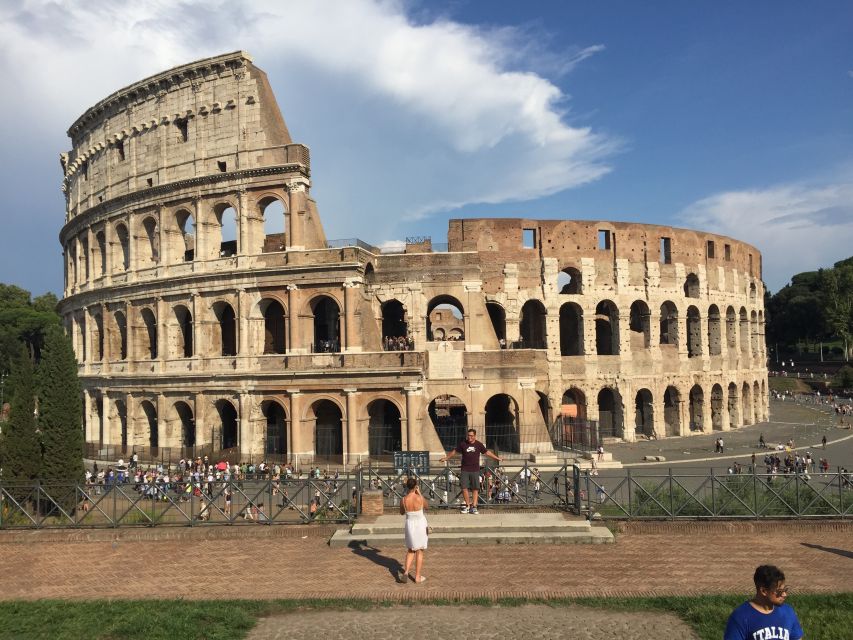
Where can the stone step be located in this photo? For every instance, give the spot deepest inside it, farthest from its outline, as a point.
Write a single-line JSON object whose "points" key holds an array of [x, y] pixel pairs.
{"points": [[480, 523], [595, 535]]}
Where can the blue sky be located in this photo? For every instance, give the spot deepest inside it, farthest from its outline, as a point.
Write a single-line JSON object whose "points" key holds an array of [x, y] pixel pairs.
{"points": [[730, 117]]}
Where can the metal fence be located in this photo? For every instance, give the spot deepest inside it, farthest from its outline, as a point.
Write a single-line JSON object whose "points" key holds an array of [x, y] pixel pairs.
{"points": [[708, 495]]}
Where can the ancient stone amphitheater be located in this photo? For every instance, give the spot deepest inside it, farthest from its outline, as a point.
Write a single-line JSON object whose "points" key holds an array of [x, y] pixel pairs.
{"points": [[208, 309]]}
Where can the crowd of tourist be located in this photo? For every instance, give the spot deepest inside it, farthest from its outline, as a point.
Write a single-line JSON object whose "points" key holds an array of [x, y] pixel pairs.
{"points": [[398, 343]]}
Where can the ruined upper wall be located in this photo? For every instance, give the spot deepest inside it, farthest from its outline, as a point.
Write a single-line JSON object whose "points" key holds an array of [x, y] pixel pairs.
{"points": [[212, 116]]}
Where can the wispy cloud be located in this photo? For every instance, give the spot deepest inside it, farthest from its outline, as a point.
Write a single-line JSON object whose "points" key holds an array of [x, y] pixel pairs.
{"points": [[797, 227]]}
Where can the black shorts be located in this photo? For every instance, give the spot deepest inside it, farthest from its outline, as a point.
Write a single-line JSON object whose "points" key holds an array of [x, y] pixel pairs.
{"points": [[470, 479]]}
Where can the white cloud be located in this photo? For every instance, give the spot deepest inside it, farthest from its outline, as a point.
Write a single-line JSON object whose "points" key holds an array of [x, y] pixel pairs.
{"points": [[797, 227], [404, 118]]}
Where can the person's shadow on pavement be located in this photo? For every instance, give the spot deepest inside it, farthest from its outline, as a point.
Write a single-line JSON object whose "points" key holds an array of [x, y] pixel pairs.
{"points": [[844, 553], [360, 548]]}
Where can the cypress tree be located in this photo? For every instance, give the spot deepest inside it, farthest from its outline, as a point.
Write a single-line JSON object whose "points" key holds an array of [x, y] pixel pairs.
{"points": [[21, 446], [60, 411]]}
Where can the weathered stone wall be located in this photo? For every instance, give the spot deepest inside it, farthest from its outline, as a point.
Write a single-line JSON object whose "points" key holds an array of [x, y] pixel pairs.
{"points": [[272, 342]]}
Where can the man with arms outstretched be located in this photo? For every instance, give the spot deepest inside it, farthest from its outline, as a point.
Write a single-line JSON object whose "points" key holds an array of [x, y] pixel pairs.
{"points": [[470, 450]]}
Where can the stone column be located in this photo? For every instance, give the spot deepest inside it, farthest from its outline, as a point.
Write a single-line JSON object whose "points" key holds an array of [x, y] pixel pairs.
{"points": [[724, 411], [244, 437], [196, 332], [162, 346], [296, 207], [411, 434], [351, 426], [108, 426], [164, 257], [87, 412], [202, 430], [298, 443], [201, 239], [108, 249], [129, 331], [130, 419], [165, 428], [243, 231], [294, 340], [352, 335], [242, 323]]}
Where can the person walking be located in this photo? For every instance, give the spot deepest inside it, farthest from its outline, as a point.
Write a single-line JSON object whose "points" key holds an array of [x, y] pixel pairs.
{"points": [[416, 530], [823, 442], [766, 615], [470, 449]]}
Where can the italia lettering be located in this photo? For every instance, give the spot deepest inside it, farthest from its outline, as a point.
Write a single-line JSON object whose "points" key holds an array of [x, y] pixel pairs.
{"points": [[771, 633]]}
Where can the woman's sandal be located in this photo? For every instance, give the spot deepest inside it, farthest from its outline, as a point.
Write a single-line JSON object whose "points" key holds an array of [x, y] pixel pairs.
{"points": [[421, 581]]}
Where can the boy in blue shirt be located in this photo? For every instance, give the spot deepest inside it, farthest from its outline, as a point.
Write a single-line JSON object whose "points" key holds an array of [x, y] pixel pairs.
{"points": [[766, 616]]}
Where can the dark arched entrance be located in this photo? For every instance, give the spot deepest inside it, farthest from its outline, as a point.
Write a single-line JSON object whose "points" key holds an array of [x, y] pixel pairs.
{"points": [[384, 432], [276, 421], [450, 418], [328, 431], [502, 423]]}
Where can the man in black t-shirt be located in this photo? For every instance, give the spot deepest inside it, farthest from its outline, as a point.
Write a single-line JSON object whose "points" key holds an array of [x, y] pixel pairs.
{"points": [[470, 450]]}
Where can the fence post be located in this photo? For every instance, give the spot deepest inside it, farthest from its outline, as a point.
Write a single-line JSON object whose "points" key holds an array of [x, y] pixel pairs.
{"points": [[841, 493], [671, 498], [447, 484], [713, 493], [755, 494], [526, 483], [38, 502], [115, 503], [797, 492], [629, 491]]}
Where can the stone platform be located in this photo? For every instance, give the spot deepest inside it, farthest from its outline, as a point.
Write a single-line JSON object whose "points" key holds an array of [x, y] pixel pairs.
{"points": [[483, 528]]}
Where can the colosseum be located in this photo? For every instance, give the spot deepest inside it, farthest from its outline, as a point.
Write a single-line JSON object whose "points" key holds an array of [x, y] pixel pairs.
{"points": [[208, 309]]}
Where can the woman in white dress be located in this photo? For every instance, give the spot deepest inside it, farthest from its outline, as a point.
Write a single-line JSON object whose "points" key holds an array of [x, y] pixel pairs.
{"points": [[413, 506]]}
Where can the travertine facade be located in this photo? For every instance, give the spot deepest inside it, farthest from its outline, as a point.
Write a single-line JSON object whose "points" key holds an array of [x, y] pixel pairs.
{"points": [[277, 341]]}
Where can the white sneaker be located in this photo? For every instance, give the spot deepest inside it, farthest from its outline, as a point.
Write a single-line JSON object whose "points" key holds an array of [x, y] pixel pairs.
{"points": [[474, 511], [464, 508]]}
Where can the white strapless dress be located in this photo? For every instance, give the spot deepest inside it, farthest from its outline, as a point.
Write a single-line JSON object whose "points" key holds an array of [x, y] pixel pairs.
{"points": [[416, 530]]}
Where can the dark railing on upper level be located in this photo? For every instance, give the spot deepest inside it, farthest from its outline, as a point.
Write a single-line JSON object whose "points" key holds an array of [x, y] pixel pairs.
{"points": [[351, 242]]}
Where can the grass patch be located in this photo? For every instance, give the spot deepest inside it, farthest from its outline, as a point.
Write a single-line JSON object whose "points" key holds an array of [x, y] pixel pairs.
{"points": [[822, 616], [794, 385]]}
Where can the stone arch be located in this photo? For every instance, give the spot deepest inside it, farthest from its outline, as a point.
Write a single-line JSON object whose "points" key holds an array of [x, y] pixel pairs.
{"points": [[753, 333], [148, 246], [273, 210], [445, 314], [716, 408], [644, 413], [694, 332], [697, 408], [639, 325], [369, 274], [734, 412], [715, 337], [119, 414], [227, 434], [149, 333], [571, 428], [731, 329], [669, 324], [449, 417], [610, 413], [85, 268], [118, 337], [181, 334], [394, 320], [185, 248], [532, 325], [672, 411], [150, 413], [691, 286], [328, 429], [123, 253], [275, 420], [569, 281], [225, 329], [744, 333], [99, 254], [502, 424], [571, 330], [574, 404], [384, 427], [497, 315], [98, 336], [275, 325], [752, 292], [182, 414], [607, 328], [326, 323], [225, 230]]}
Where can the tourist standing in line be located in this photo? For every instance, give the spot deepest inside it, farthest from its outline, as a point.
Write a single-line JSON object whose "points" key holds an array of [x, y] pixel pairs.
{"points": [[766, 615], [470, 450], [416, 532]]}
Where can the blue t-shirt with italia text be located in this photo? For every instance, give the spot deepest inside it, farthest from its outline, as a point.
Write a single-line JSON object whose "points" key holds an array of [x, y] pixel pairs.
{"points": [[747, 623]]}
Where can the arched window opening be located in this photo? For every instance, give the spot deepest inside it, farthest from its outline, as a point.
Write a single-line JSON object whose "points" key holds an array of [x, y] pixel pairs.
{"points": [[150, 333], [731, 329], [123, 240], [328, 434], [186, 225], [715, 338], [640, 326], [498, 317], [327, 325], [757, 412], [753, 334], [571, 330], [227, 436], [98, 337], [569, 281], [84, 258], [734, 413], [746, 404], [276, 420], [672, 411], [717, 408], [395, 328], [150, 413], [119, 346], [384, 432], [502, 424], [752, 291], [691, 286], [449, 417], [83, 351], [71, 253], [101, 253], [445, 319], [120, 415], [606, 329], [697, 408], [183, 336], [571, 429], [369, 274], [226, 220], [274, 326], [272, 211], [744, 333], [610, 418], [185, 416], [668, 324], [227, 328], [150, 253], [644, 413], [532, 325], [694, 333]]}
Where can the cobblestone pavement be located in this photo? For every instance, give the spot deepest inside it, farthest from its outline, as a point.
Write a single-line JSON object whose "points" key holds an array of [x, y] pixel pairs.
{"points": [[422, 623], [665, 559]]}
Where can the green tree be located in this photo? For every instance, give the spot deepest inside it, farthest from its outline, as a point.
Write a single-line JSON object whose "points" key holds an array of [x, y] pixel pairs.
{"points": [[838, 285], [21, 446], [60, 411]]}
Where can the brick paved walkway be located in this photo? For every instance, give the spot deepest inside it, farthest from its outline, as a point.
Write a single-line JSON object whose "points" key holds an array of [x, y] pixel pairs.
{"points": [[648, 560]]}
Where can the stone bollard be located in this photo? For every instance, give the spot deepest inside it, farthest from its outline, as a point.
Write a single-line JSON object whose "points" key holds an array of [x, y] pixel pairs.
{"points": [[372, 502]]}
